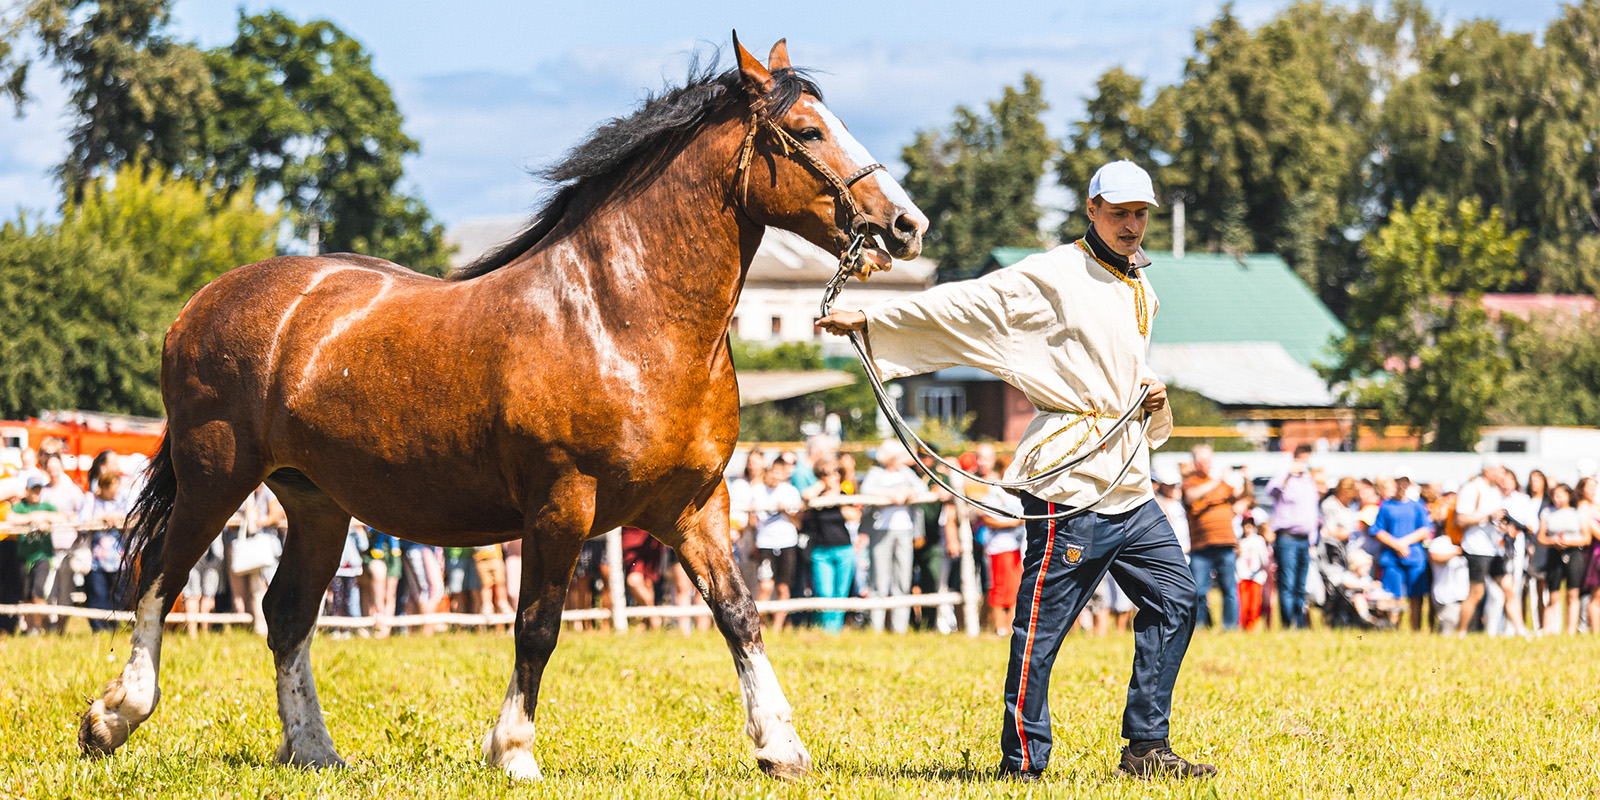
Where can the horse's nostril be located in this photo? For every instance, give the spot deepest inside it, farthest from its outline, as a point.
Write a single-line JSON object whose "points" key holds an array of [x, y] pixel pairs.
{"points": [[906, 227]]}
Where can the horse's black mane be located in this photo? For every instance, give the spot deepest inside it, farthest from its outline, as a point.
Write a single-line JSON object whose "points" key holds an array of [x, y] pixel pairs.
{"points": [[626, 152]]}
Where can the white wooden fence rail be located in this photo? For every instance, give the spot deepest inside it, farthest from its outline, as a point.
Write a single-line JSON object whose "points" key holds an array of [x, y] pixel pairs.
{"points": [[619, 613]]}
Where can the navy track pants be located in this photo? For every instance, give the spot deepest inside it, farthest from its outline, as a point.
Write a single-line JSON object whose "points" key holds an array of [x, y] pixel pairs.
{"points": [[1064, 563]]}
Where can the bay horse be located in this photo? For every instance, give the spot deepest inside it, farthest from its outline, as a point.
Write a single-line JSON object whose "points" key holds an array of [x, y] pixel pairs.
{"points": [[574, 380]]}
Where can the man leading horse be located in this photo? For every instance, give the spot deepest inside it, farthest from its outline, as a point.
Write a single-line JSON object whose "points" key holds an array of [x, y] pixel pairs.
{"points": [[1069, 328]]}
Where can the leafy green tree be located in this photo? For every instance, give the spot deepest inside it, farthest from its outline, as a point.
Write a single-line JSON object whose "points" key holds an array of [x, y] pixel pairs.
{"points": [[174, 227], [977, 180], [1555, 373], [136, 92], [1493, 115], [304, 113], [1566, 252], [1261, 156], [1421, 320], [80, 324], [87, 300]]}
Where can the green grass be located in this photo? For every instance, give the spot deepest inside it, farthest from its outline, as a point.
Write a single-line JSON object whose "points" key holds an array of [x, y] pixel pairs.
{"points": [[656, 714]]}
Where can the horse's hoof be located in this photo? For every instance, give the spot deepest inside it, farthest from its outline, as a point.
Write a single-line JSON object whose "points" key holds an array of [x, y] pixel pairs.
{"points": [[522, 767], [784, 770], [326, 759], [101, 732]]}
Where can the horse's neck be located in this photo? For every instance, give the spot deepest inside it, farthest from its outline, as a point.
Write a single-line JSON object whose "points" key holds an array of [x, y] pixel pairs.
{"points": [[671, 258]]}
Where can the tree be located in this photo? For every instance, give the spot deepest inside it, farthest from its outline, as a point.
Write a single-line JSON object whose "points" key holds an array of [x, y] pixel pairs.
{"points": [[1421, 320], [137, 94], [1261, 156], [87, 300], [303, 113], [174, 228], [1555, 373], [977, 180], [1494, 116]]}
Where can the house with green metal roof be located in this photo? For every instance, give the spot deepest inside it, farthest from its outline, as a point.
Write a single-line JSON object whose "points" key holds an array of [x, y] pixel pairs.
{"points": [[1244, 331]]}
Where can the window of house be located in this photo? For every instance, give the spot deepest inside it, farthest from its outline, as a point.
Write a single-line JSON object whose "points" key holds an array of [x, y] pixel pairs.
{"points": [[944, 403], [777, 327]]}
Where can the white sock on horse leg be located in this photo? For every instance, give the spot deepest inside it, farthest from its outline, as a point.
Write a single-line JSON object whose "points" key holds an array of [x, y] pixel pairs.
{"points": [[769, 721], [306, 741], [509, 744], [130, 698]]}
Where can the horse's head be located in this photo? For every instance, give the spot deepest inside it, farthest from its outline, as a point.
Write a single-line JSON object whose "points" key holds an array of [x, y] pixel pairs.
{"points": [[801, 170]]}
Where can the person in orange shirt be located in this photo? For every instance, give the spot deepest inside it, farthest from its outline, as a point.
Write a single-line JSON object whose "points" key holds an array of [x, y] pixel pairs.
{"points": [[1213, 544]]}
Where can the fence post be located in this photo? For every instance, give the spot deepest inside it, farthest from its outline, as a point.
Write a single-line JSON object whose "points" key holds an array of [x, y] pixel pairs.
{"points": [[971, 592], [616, 584]]}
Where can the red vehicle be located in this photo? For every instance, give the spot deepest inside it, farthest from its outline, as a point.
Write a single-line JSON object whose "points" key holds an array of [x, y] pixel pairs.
{"points": [[82, 435]]}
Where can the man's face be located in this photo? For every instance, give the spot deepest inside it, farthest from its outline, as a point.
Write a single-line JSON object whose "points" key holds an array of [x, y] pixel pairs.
{"points": [[778, 472], [1121, 225], [33, 495]]}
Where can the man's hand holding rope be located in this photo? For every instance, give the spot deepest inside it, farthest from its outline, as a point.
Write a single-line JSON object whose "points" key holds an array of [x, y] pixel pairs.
{"points": [[1153, 402], [844, 322]]}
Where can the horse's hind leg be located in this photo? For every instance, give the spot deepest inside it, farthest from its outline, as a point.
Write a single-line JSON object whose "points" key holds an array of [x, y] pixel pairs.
{"points": [[769, 721], [550, 548], [200, 507], [317, 530]]}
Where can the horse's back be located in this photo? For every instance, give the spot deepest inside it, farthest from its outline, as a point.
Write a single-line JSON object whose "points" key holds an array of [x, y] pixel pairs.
{"points": [[233, 334]]}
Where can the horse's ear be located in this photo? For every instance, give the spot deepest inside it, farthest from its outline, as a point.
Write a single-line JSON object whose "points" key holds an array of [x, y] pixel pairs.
{"points": [[757, 77], [779, 57]]}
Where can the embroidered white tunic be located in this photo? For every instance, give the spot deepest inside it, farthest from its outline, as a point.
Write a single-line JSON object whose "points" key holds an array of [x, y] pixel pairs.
{"points": [[1064, 330]]}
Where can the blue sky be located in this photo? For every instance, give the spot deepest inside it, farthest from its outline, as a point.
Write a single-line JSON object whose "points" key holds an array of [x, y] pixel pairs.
{"points": [[491, 89]]}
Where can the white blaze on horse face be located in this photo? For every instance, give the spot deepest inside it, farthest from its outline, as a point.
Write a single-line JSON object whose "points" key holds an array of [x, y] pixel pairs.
{"points": [[857, 153], [509, 744]]}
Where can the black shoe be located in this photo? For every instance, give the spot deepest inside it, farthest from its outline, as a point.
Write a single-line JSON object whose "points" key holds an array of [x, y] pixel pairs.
{"points": [[1018, 775], [1161, 762]]}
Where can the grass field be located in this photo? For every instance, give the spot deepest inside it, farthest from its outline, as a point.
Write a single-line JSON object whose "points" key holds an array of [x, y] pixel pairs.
{"points": [[657, 714]]}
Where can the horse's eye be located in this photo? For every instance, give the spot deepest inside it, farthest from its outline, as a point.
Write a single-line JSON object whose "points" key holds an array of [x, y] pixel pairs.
{"points": [[810, 135]]}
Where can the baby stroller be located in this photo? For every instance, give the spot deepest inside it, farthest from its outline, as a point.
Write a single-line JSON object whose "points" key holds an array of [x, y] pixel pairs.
{"points": [[1332, 586]]}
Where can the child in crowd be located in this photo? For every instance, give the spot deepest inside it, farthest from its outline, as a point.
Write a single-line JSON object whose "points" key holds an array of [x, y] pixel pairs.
{"points": [[1254, 556]]}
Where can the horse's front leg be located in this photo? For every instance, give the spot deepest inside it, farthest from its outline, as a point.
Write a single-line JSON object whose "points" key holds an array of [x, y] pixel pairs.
{"points": [[704, 549], [550, 548]]}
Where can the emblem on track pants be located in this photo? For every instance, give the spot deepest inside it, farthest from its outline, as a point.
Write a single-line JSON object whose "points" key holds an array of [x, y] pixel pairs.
{"points": [[1073, 555]]}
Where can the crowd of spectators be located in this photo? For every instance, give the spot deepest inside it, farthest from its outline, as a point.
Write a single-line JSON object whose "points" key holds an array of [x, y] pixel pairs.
{"points": [[1499, 553], [62, 546]]}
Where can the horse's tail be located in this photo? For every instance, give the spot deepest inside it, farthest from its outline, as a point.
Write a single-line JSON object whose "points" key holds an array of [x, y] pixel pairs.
{"points": [[145, 531]]}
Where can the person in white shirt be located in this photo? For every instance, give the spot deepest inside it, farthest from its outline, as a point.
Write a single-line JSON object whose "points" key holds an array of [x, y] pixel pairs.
{"points": [[1479, 508], [1070, 329], [891, 531], [1450, 582], [775, 507]]}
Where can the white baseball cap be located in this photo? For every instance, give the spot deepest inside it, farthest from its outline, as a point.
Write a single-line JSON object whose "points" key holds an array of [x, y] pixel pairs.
{"points": [[1122, 182]]}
